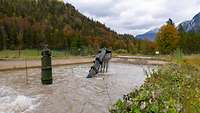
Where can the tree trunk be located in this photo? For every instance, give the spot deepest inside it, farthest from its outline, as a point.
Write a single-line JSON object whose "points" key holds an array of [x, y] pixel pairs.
{"points": [[19, 52]]}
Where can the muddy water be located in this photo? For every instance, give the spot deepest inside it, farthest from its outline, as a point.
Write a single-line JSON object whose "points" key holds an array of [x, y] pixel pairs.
{"points": [[71, 91]]}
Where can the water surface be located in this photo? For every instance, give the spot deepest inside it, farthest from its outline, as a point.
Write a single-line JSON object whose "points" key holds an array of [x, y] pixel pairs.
{"points": [[71, 92]]}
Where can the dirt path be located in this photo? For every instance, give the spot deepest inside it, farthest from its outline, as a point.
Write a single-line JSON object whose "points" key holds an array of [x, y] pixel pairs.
{"points": [[6, 65], [21, 64], [140, 60]]}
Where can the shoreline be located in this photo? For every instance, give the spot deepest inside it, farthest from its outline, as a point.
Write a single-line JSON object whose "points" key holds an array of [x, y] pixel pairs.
{"points": [[16, 64], [9, 65]]}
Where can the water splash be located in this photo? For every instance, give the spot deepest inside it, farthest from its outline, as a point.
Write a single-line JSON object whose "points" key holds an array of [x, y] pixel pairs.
{"points": [[12, 102]]}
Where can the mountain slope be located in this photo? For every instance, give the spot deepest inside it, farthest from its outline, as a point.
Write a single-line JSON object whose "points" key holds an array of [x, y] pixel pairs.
{"points": [[60, 25], [192, 25], [150, 35]]}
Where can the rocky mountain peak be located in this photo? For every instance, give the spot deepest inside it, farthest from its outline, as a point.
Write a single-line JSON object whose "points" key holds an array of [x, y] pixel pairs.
{"points": [[191, 25]]}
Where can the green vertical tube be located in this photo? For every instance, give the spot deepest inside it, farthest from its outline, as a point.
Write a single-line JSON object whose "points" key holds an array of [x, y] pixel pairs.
{"points": [[46, 78]]}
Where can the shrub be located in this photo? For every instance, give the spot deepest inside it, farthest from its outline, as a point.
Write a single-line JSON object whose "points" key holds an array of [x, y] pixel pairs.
{"points": [[173, 89], [121, 51]]}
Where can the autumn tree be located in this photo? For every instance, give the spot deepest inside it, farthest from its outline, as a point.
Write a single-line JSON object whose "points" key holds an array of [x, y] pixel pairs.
{"points": [[3, 39], [31, 23], [95, 42], [168, 38], [68, 33], [20, 42], [129, 41]]}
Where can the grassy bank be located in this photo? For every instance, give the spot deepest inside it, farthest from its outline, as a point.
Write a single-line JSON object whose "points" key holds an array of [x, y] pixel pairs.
{"points": [[173, 88], [33, 54], [36, 54]]}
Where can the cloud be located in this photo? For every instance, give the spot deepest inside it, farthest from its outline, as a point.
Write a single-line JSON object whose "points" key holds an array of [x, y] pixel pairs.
{"points": [[137, 16]]}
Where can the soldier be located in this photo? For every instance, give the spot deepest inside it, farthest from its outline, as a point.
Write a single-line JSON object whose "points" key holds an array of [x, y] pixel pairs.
{"points": [[100, 63], [106, 59]]}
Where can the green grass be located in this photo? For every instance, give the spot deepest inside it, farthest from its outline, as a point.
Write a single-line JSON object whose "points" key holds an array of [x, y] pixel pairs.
{"points": [[171, 89], [30, 54], [36, 54]]}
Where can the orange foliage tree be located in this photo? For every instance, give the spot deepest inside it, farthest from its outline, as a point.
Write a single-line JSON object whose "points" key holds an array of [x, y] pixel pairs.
{"points": [[68, 33], [95, 42], [168, 38]]}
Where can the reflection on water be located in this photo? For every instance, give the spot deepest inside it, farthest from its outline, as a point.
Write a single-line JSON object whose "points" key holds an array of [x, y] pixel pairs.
{"points": [[71, 91]]}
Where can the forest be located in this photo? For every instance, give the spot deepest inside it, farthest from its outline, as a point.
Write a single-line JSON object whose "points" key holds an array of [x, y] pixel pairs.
{"points": [[29, 24]]}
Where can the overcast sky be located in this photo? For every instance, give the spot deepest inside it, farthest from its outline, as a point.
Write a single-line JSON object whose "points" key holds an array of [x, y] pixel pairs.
{"points": [[137, 16]]}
